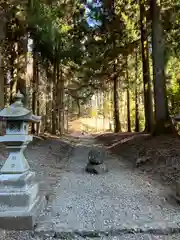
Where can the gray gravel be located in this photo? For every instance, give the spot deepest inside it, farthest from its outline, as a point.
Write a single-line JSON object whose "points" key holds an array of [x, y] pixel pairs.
{"points": [[121, 200], [31, 236]]}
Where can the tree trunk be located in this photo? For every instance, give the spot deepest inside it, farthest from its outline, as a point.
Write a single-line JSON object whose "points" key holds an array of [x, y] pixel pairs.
{"points": [[48, 100], [146, 74], [117, 124], [14, 71], [22, 67], [37, 97], [2, 35], [60, 100], [34, 86], [54, 124], [2, 78], [136, 95], [163, 123], [48, 107], [61, 103], [79, 108], [128, 98]]}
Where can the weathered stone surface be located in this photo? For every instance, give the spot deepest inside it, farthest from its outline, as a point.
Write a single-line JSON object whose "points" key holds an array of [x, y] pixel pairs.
{"points": [[96, 169], [96, 156], [17, 180], [22, 219], [20, 201]]}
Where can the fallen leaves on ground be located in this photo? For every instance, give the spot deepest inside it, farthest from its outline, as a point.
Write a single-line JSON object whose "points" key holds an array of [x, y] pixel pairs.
{"points": [[158, 156]]}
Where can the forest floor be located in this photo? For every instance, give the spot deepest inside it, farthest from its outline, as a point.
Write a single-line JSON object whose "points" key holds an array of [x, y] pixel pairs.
{"points": [[158, 157]]}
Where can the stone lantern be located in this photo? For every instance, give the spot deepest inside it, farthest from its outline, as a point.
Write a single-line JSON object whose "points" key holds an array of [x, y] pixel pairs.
{"points": [[20, 198]]}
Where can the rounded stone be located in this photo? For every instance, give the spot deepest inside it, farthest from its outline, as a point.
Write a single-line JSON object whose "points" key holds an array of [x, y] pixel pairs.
{"points": [[96, 169], [96, 156]]}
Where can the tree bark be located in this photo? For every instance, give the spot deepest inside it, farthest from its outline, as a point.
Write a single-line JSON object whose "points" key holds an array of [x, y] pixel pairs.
{"points": [[128, 98], [117, 124], [163, 123], [1, 78], [2, 35], [14, 71], [34, 86], [79, 108], [22, 67], [148, 110], [48, 99], [54, 92], [136, 95], [61, 112]]}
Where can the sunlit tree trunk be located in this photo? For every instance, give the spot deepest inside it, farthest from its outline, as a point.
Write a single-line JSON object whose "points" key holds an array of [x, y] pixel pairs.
{"points": [[136, 95], [48, 99], [128, 98], [146, 73], [14, 71], [117, 124], [22, 66], [35, 83], [163, 122]]}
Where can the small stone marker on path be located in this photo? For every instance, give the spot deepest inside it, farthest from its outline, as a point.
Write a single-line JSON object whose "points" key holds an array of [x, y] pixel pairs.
{"points": [[20, 199], [96, 163]]}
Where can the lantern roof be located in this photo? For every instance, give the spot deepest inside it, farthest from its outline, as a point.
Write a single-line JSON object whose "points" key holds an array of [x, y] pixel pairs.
{"points": [[17, 111]]}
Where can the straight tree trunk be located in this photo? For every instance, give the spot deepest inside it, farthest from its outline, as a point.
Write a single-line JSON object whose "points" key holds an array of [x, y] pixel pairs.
{"points": [[117, 124], [48, 107], [79, 108], [14, 71], [34, 86], [58, 98], [163, 123], [37, 97], [1, 79], [22, 67], [128, 98], [148, 110], [48, 100], [61, 103], [136, 95], [54, 93], [2, 36]]}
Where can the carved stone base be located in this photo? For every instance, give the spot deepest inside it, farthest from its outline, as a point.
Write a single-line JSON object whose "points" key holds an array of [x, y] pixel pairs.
{"points": [[20, 201]]}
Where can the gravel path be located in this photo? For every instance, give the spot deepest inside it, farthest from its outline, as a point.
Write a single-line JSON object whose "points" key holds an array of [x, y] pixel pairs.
{"points": [[120, 201], [121, 204]]}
